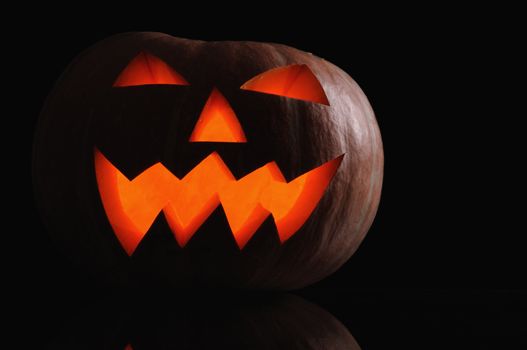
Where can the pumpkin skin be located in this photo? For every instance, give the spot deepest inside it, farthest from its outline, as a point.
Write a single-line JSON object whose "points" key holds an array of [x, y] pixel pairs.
{"points": [[139, 126]]}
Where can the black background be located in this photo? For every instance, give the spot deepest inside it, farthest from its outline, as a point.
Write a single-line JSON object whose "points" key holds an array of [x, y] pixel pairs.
{"points": [[443, 262]]}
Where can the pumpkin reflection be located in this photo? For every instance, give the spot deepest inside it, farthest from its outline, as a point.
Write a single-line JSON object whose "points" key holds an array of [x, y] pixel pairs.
{"points": [[272, 322]]}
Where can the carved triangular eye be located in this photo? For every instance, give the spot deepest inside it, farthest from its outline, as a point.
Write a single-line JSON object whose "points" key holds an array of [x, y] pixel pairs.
{"points": [[295, 81], [147, 69]]}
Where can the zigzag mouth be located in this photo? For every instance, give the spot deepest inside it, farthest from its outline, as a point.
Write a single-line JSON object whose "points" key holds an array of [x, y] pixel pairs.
{"points": [[131, 206]]}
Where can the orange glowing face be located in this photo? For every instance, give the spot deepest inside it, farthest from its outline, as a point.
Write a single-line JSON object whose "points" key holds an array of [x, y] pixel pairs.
{"points": [[132, 205]]}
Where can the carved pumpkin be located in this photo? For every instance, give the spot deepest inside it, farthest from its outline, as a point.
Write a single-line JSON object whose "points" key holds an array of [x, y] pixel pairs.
{"points": [[223, 163]]}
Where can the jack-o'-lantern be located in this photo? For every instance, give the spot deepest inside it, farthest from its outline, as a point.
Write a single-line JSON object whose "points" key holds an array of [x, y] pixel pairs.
{"points": [[207, 163]]}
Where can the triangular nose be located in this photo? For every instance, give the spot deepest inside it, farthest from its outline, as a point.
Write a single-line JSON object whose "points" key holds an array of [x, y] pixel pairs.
{"points": [[217, 122]]}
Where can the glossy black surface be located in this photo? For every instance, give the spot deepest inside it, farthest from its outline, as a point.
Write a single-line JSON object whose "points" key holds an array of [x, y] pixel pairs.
{"points": [[375, 319]]}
